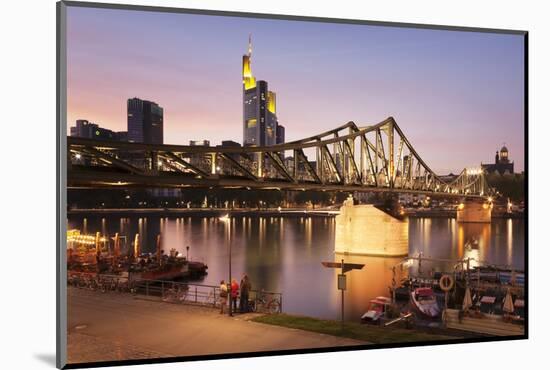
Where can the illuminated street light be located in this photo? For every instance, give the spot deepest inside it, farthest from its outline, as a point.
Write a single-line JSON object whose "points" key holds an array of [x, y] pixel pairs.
{"points": [[474, 171], [78, 156]]}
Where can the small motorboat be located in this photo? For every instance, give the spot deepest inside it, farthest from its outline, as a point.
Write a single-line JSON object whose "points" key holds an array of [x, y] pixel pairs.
{"points": [[376, 310], [425, 302]]}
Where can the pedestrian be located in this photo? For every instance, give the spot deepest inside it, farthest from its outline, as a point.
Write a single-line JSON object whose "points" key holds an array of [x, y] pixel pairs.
{"points": [[98, 261], [234, 294], [245, 290], [223, 295]]}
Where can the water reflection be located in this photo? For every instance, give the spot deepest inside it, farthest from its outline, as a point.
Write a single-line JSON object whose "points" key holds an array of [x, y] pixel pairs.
{"points": [[285, 253], [373, 280], [509, 240]]}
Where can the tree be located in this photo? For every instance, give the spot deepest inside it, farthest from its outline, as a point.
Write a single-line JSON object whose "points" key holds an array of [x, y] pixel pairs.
{"points": [[508, 185]]}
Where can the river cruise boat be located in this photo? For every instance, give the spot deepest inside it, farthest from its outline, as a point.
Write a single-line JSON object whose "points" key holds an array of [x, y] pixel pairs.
{"points": [[95, 253]]}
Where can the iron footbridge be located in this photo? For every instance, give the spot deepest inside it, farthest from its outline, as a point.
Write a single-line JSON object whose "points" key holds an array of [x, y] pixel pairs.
{"points": [[376, 158]]}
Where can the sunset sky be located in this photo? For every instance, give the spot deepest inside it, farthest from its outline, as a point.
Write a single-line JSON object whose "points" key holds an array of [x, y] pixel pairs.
{"points": [[458, 96]]}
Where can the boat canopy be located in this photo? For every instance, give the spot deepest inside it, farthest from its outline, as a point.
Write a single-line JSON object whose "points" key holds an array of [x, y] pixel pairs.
{"points": [[381, 300], [488, 299], [424, 291]]}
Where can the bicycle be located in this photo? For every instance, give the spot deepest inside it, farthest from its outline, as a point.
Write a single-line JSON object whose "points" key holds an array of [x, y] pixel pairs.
{"points": [[176, 295], [211, 298], [264, 304]]}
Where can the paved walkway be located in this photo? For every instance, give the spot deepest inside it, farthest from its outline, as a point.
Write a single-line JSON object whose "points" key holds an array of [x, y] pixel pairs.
{"points": [[112, 326]]}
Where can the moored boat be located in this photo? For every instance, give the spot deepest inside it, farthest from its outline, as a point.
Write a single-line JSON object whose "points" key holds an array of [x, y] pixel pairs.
{"points": [[376, 310], [425, 302], [166, 272]]}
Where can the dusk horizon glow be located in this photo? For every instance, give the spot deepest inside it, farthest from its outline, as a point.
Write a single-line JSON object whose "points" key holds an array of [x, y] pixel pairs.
{"points": [[458, 96]]}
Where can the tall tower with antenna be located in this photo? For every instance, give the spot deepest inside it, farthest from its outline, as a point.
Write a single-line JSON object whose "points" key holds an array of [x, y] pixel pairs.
{"points": [[260, 126]]}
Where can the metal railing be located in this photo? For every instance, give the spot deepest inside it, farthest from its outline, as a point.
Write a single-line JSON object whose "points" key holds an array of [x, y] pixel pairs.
{"points": [[350, 157], [173, 292]]}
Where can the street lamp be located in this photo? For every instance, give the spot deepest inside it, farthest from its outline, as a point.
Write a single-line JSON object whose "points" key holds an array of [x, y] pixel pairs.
{"points": [[227, 220], [187, 258]]}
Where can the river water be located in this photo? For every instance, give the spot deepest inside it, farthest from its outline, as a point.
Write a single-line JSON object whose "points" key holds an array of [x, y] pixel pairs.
{"points": [[284, 254]]}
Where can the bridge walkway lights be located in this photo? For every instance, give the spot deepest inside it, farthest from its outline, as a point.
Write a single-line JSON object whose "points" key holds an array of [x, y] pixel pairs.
{"points": [[376, 158]]}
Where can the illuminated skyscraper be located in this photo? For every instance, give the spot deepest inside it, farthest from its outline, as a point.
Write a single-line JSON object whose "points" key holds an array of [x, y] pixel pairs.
{"points": [[259, 107]]}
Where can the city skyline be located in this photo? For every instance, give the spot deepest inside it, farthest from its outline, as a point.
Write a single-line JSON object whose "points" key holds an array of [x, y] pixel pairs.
{"points": [[465, 88]]}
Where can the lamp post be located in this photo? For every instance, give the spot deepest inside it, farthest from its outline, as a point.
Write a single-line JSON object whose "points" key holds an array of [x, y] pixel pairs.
{"points": [[187, 255], [227, 221]]}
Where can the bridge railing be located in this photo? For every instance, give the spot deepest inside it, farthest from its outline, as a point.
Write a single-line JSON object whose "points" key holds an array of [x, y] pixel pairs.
{"points": [[352, 157]]}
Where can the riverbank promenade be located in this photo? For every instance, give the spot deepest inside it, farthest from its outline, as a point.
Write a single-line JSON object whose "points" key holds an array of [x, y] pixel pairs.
{"points": [[111, 326]]}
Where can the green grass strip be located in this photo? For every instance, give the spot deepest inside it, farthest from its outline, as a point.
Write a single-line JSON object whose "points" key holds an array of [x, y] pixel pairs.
{"points": [[362, 332]]}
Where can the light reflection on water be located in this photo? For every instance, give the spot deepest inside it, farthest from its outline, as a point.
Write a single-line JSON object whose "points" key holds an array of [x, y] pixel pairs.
{"points": [[284, 254]]}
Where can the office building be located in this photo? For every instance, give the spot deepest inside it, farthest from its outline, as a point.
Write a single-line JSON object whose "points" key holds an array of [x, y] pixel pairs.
{"points": [[280, 134], [145, 122], [88, 130], [259, 107], [199, 142], [199, 160]]}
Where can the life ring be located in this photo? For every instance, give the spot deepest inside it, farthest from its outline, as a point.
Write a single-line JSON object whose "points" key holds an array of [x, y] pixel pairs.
{"points": [[446, 283]]}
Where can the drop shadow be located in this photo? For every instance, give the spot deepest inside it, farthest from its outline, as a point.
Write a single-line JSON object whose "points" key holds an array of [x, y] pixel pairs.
{"points": [[47, 358]]}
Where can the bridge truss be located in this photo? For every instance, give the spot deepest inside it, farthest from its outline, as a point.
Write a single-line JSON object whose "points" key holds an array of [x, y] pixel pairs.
{"points": [[347, 158]]}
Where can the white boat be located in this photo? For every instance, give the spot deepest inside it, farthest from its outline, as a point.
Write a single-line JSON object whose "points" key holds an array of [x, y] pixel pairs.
{"points": [[376, 310], [425, 302]]}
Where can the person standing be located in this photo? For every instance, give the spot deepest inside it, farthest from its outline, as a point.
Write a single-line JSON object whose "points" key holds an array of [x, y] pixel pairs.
{"points": [[245, 290], [234, 294], [223, 296]]}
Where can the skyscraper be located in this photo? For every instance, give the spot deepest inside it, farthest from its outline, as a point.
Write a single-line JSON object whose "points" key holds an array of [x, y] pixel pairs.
{"points": [[145, 122], [280, 134], [259, 107]]}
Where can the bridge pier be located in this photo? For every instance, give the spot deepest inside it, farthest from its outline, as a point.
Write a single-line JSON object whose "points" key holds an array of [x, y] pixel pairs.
{"points": [[474, 211], [366, 230]]}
